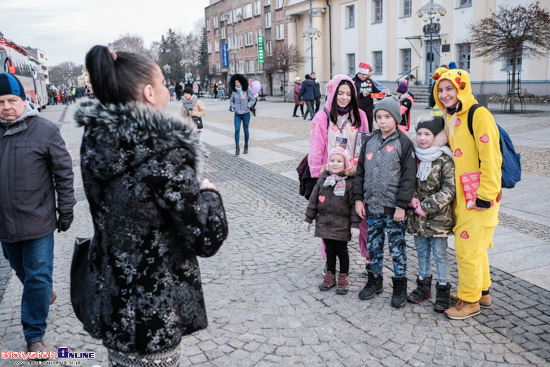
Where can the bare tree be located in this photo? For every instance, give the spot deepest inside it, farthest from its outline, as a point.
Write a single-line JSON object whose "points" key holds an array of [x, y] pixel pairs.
{"points": [[511, 33], [284, 59], [65, 73], [131, 43]]}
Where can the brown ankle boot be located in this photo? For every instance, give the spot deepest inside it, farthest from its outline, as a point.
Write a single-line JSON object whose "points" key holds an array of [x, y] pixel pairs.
{"points": [[462, 310], [343, 283], [484, 301], [329, 281]]}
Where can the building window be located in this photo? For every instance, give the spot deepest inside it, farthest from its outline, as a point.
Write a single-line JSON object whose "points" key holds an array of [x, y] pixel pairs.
{"points": [[218, 67], [351, 64], [377, 57], [240, 67], [232, 67], [223, 33], [249, 38], [239, 40], [247, 11], [405, 60], [350, 16], [230, 17], [463, 51], [407, 8], [238, 11], [250, 66], [257, 7], [258, 34], [216, 22], [267, 2], [378, 7], [464, 3], [217, 46], [208, 25], [269, 48], [509, 63], [279, 4], [268, 20], [209, 47], [280, 31]]}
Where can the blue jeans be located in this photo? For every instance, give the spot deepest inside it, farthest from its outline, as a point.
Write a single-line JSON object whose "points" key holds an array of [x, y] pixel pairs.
{"points": [[33, 264], [222, 94], [378, 225], [424, 245], [245, 119]]}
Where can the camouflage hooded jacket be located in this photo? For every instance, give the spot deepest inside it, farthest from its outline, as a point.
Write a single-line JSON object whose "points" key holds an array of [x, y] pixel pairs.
{"points": [[436, 196]]}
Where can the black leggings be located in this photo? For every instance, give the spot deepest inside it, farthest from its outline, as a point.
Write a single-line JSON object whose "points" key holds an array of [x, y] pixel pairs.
{"points": [[296, 109], [340, 249]]}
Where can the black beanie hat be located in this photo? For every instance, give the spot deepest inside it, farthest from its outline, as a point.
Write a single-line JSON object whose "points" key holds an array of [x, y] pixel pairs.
{"points": [[434, 124], [188, 90], [9, 84]]}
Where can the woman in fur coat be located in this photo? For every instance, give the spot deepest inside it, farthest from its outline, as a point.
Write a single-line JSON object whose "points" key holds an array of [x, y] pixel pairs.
{"points": [[152, 213]]}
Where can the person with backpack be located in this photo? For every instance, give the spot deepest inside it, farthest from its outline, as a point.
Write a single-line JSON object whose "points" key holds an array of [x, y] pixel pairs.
{"points": [[406, 100], [478, 161]]}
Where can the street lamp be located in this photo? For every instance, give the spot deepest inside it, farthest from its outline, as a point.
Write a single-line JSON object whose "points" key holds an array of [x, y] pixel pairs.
{"points": [[311, 33], [432, 13]]}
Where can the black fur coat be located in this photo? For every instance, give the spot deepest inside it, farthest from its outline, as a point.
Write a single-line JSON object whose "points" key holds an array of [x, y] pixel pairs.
{"points": [[141, 174]]}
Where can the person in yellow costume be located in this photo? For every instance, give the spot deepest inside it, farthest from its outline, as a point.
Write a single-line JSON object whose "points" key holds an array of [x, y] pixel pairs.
{"points": [[475, 220]]}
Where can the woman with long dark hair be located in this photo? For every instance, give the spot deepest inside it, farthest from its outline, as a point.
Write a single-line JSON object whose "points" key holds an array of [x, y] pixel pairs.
{"points": [[241, 102], [152, 213]]}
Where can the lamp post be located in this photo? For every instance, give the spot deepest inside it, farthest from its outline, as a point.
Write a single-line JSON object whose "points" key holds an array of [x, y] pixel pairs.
{"points": [[432, 13], [311, 33], [234, 49]]}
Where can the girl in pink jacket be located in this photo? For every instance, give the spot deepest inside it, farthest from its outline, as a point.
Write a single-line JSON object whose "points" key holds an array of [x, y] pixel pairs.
{"points": [[338, 125]]}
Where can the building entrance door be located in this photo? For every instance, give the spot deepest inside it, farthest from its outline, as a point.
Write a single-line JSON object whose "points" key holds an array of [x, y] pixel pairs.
{"points": [[433, 55]]}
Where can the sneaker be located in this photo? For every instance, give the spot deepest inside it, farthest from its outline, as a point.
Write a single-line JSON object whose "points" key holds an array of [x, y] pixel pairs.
{"points": [[329, 281], [374, 286], [462, 310], [423, 290], [343, 283], [484, 301]]}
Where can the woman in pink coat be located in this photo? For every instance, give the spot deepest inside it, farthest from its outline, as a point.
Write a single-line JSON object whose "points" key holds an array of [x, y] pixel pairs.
{"points": [[339, 124], [297, 101]]}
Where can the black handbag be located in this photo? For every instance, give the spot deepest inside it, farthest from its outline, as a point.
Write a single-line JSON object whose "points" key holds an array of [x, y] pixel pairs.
{"points": [[79, 276], [198, 122]]}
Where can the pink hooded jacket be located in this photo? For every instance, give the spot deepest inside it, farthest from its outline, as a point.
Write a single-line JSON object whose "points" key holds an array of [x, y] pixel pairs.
{"points": [[318, 139]]}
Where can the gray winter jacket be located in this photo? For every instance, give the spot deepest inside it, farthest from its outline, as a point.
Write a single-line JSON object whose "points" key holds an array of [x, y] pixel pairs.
{"points": [[386, 173], [241, 105], [35, 165]]}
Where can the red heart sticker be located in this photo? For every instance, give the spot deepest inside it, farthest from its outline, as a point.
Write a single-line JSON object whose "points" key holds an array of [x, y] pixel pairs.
{"points": [[458, 122], [334, 128], [484, 138], [457, 80], [389, 148], [369, 156], [352, 128], [322, 198], [464, 235], [312, 125], [458, 153], [330, 88]]}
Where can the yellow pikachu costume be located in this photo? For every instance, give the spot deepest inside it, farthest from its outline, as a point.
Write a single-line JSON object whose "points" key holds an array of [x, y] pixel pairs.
{"points": [[473, 229]]}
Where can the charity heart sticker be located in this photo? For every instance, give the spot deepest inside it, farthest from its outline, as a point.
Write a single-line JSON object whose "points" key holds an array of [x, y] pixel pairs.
{"points": [[464, 235], [312, 125], [458, 122], [352, 128], [389, 148], [334, 128], [484, 138], [458, 153], [322, 198], [369, 156]]}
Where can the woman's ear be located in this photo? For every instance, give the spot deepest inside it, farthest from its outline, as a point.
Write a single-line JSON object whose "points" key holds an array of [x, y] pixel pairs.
{"points": [[149, 94]]}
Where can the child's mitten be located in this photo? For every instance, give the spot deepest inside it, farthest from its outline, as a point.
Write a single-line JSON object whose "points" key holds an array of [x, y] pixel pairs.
{"points": [[419, 210], [306, 226], [355, 232]]}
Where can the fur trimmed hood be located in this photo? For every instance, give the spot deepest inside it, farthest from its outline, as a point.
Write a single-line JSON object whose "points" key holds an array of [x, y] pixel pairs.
{"points": [[130, 134], [349, 173], [440, 140]]}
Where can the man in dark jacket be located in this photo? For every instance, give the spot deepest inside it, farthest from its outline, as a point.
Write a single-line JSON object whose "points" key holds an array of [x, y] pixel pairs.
{"points": [[364, 87], [307, 93], [35, 166], [317, 91]]}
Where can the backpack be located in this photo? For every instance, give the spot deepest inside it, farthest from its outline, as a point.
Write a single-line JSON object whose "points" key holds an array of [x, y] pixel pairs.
{"points": [[511, 165]]}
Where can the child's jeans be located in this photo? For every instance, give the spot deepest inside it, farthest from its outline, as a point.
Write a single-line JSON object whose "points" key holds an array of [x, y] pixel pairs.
{"points": [[378, 225], [337, 249], [424, 245]]}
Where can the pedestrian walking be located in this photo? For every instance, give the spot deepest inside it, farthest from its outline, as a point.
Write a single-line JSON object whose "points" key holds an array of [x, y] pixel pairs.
{"points": [[475, 220], [331, 205], [36, 171], [152, 216], [406, 100], [365, 86], [317, 92], [385, 181], [297, 101], [221, 91], [307, 93], [192, 108], [172, 92], [215, 89], [240, 102], [179, 90], [430, 216]]}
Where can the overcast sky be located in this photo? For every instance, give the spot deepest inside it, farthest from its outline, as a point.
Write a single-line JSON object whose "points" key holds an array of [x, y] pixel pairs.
{"points": [[66, 29]]}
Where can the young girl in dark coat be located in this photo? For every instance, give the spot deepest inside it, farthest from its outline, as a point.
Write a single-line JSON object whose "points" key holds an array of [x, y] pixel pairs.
{"points": [[331, 205]]}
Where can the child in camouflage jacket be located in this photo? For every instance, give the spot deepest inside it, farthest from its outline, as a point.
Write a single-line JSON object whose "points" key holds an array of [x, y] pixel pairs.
{"points": [[430, 219]]}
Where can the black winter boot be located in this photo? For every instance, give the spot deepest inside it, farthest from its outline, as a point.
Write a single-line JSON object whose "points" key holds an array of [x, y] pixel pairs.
{"points": [[245, 151], [374, 286], [442, 297], [237, 150], [399, 297], [423, 290]]}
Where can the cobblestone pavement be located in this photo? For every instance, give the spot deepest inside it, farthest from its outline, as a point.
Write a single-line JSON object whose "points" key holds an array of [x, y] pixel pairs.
{"points": [[262, 294]]}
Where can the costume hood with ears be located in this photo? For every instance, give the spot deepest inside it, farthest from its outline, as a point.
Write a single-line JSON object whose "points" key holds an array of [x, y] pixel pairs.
{"points": [[438, 72], [241, 79], [461, 81], [332, 86]]}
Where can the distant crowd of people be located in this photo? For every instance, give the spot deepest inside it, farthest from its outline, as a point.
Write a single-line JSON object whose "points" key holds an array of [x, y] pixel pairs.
{"points": [[67, 94]]}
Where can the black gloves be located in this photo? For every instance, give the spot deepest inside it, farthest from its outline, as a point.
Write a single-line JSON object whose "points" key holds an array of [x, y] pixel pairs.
{"points": [[64, 221]]}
